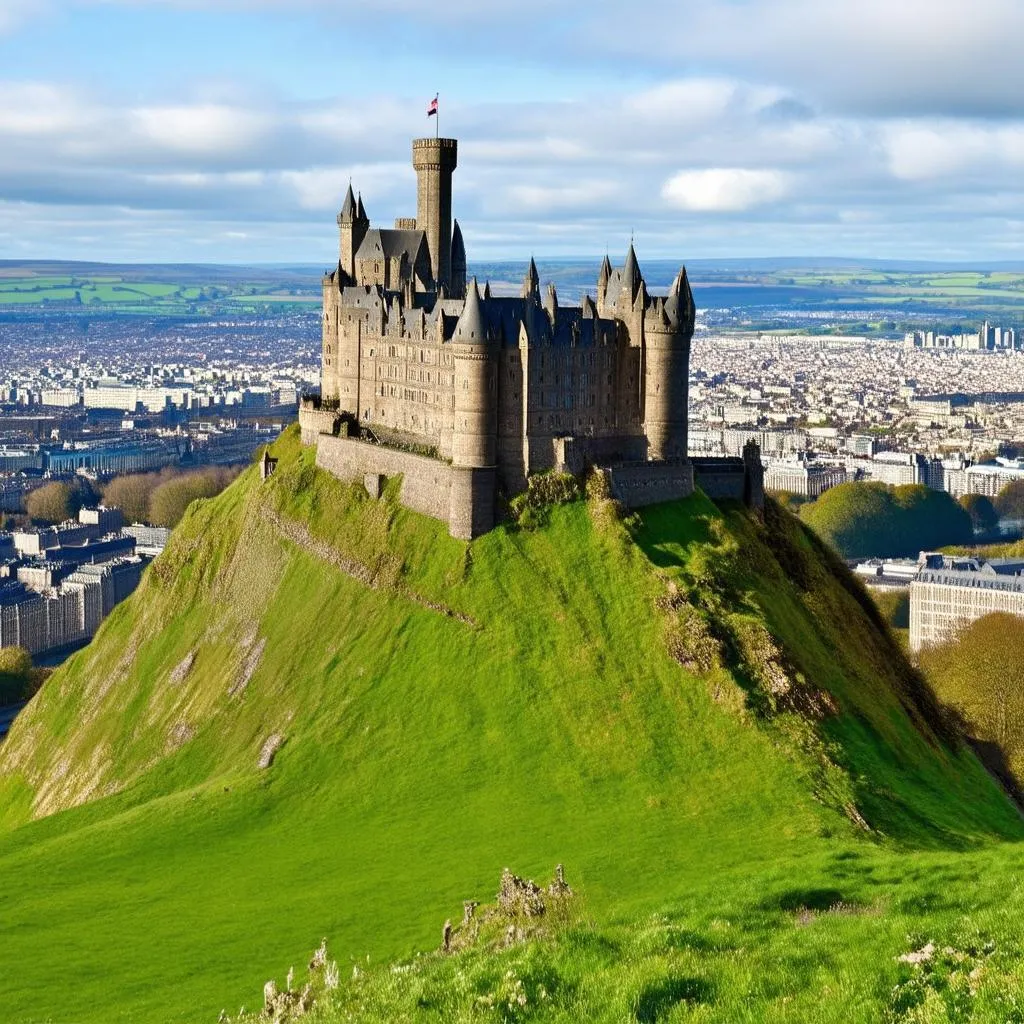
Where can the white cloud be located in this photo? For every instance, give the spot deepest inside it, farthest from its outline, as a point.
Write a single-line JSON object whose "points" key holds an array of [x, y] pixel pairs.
{"points": [[201, 129], [920, 152], [724, 189]]}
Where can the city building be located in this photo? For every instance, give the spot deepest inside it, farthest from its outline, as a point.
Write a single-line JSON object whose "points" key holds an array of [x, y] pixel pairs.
{"points": [[950, 591]]}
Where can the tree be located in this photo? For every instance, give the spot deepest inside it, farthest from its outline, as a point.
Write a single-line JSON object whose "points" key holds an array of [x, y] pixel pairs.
{"points": [[51, 503], [171, 498], [872, 519], [131, 494], [984, 516], [15, 674], [1010, 500], [979, 671]]}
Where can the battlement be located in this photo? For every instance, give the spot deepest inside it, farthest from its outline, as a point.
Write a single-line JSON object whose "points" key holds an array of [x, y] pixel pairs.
{"points": [[437, 144]]}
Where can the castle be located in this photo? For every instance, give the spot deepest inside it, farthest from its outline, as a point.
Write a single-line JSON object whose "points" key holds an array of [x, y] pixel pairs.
{"points": [[465, 394]]}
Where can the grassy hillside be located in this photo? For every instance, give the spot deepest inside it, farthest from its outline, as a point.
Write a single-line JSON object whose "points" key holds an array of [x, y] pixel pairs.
{"points": [[693, 706]]}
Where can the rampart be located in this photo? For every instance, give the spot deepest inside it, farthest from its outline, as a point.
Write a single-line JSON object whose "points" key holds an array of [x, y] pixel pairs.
{"points": [[648, 483], [734, 479], [461, 497]]}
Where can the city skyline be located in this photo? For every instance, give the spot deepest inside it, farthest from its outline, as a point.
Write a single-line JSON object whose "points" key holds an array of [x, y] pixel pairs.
{"points": [[772, 128]]}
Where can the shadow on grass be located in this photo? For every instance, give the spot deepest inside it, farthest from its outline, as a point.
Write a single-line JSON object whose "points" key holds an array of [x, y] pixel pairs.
{"points": [[657, 1000]]}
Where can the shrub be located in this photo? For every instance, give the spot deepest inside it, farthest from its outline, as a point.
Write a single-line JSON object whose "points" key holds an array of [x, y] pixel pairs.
{"points": [[50, 503], [864, 519]]}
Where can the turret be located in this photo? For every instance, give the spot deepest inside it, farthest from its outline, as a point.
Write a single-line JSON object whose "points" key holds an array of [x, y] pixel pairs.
{"points": [[668, 330], [551, 304], [475, 356], [458, 289], [602, 279], [435, 161], [531, 284], [352, 227]]}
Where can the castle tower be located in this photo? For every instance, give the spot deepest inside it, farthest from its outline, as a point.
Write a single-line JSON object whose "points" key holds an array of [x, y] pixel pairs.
{"points": [[668, 330], [475, 352], [458, 285], [435, 161], [352, 227]]}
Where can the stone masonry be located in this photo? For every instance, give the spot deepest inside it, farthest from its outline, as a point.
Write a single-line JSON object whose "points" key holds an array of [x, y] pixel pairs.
{"points": [[466, 394]]}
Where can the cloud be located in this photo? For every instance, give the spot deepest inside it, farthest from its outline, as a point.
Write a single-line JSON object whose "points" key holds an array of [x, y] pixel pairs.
{"points": [[200, 129], [13, 13], [724, 189], [921, 152]]}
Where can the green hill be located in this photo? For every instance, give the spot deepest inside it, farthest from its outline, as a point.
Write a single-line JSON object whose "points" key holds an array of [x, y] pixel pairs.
{"points": [[688, 706]]}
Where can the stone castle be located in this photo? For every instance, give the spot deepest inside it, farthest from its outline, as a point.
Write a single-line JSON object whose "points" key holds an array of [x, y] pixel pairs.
{"points": [[465, 394]]}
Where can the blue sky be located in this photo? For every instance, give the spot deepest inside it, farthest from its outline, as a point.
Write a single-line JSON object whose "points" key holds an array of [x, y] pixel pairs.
{"points": [[227, 130]]}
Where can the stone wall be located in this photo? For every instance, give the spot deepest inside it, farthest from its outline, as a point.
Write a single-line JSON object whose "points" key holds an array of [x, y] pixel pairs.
{"points": [[314, 422], [462, 498], [648, 483], [720, 478]]}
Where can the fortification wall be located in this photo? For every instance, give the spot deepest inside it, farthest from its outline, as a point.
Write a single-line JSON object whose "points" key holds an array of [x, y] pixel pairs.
{"points": [[462, 498], [648, 483], [314, 422]]}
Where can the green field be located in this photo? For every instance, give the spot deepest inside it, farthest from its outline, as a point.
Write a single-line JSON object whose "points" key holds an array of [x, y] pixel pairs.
{"points": [[154, 289], [745, 850]]}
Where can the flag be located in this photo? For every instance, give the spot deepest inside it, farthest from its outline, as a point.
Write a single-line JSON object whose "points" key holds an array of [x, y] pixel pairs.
{"points": [[432, 109]]}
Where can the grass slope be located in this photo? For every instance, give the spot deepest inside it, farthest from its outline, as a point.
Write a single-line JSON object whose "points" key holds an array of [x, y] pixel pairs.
{"points": [[447, 709]]}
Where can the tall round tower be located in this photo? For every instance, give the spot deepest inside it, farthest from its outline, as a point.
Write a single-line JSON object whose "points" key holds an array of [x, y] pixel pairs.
{"points": [[475, 355], [668, 330], [435, 161]]}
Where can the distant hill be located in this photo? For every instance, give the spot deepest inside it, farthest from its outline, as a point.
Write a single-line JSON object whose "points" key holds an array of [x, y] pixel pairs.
{"points": [[691, 709]]}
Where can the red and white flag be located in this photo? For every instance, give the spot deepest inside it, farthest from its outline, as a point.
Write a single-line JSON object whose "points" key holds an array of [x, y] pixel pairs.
{"points": [[432, 109]]}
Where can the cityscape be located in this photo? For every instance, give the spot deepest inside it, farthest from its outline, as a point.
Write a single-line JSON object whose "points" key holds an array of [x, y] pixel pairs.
{"points": [[511, 514]]}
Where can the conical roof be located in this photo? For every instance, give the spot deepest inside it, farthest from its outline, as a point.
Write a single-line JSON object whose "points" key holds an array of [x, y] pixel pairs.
{"points": [[531, 283], [679, 303], [471, 327], [361, 210], [631, 276], [458, 249], [348, 207]]}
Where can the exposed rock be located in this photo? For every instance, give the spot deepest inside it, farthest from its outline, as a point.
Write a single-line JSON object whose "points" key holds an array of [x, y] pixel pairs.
{"points": [[182, 669], [271, 745]]}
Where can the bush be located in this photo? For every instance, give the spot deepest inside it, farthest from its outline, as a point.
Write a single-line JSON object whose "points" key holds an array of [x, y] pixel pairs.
{"points": [[16, 674], [872, 519], [51, 503], [543, 490], [1009, 502], [978, 671], [984, 516], [169, 501], [131, 494]]}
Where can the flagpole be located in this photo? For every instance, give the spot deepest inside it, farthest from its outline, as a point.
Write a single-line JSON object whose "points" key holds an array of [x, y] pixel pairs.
{"points": [[437, 117]]}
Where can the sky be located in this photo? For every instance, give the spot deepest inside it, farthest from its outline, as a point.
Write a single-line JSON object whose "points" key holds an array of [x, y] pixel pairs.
{"points": [[228, 130]]}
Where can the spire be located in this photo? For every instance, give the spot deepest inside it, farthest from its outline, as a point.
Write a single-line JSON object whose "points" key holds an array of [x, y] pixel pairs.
{"points": [[531, 283], [361, 210], [471, 328], [348, 207], [487, 289], [605, 272], [679, 302], [631, 276], [458, 249]]}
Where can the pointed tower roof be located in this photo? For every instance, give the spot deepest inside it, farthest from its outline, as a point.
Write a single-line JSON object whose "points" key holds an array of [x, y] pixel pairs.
{"points": [[458, 248], [361, 210], [471, 328], [606, 270], [348, 207], [531, 283], [631, 276], [679, 302]]}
